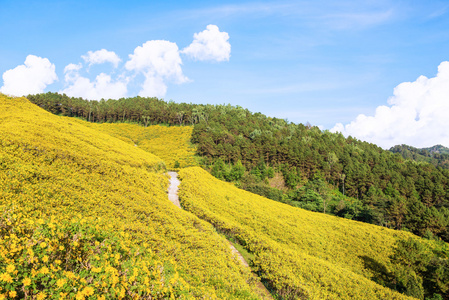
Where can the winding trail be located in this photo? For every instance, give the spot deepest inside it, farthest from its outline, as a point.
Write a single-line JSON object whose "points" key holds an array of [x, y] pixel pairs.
{"points": [[173, 189], [173, 197]]}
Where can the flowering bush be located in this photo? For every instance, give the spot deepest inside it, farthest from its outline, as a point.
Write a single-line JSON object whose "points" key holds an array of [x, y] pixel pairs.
{"points": [[49, 258]]}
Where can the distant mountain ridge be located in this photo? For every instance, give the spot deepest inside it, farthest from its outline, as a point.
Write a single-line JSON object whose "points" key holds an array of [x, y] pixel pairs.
{"points": [[437, 155], [438, 149]]}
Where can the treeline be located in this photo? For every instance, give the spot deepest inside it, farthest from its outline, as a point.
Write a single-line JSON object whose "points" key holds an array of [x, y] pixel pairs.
{"points": [[319, 170], [437, 155], [145, 111]]}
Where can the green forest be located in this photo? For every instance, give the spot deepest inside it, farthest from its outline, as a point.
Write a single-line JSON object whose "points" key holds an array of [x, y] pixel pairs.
{"points": [[293, 163]]}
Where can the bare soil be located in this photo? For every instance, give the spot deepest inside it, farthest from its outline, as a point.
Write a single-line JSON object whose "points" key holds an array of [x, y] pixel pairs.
{"points": [[173, 189]]}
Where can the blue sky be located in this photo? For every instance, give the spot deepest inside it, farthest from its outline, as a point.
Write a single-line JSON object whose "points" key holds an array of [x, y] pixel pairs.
{"points": [[323, 62]]}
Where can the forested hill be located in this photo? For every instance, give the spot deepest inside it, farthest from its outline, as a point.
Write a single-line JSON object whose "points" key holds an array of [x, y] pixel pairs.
{"points": [[437, 155], [309, 168], [438, 149]]}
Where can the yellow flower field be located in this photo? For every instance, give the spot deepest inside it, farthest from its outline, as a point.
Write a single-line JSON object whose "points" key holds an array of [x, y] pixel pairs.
{"points": [[298, 253], [171, 144], [84, 215]]}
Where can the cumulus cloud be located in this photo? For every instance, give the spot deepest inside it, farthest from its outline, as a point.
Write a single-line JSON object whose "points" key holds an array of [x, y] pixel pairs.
{"points": [[71, 67], [101, 56], [30, 78], [159, 62], [102, 87], [210, 44], [417, 115], [153, 87]]}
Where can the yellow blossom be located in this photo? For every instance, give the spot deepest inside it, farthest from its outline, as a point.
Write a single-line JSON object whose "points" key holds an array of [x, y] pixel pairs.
{"points": [[26, 281], [79, 296], [43, 244], [6, 277], [12, 294], [45, 258], [41, 296], [60, 283], [122, 293], [10, 268], [88, 291]]}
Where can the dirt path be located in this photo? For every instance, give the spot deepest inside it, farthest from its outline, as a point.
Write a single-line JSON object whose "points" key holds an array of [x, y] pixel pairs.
{"points": [[237, 253], [173, 197], [173, 189]]}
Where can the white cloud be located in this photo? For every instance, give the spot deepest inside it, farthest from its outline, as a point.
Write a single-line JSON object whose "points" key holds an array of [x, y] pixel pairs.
{"points": [[101, 56], [30, 78], [159, 62], [210, 44], [72, 67], [102, 87], [417, 114], [153, 87]]}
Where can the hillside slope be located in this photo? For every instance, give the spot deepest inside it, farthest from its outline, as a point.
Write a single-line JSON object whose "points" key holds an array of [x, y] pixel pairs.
{"points": [[389, 190], [299, 254], [171, 144], [84, 213]]}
